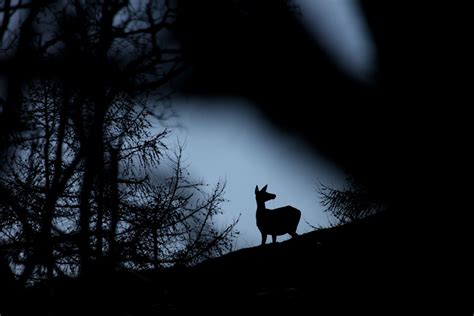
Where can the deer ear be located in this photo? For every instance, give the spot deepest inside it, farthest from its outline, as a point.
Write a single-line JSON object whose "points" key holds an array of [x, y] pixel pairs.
{"points": [[264, 189], [256, 189]]}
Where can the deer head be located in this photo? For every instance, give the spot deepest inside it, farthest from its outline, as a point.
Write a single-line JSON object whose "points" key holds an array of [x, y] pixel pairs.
{"points": [[262, 195]]}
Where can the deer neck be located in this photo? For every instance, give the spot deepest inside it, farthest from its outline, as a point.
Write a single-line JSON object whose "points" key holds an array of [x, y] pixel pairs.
{"points": [[260, 206]]}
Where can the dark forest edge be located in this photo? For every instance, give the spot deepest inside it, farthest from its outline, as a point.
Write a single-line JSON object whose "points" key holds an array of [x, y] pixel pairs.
{"points": [[87, 174]]}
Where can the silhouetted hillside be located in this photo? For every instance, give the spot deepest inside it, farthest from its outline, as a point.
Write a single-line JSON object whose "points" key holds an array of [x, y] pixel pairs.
{"points": [[359, 267], [322, 269]]}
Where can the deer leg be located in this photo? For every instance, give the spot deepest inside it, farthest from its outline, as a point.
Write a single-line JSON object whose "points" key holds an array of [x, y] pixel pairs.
{"points": [[274, 238], [264, 238]]}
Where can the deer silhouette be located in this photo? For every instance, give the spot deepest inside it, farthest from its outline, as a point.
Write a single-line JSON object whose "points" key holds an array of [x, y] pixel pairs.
{"points": [[276, 222]]}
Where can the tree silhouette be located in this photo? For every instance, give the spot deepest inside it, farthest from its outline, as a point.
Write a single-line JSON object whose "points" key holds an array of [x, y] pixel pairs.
{"points": [[84, 82], [170, 221], [350, 203], [41, 174], [135, 219]]}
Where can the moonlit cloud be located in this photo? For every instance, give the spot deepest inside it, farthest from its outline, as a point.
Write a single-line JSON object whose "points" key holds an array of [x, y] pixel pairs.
{"points": [[339, 26]]}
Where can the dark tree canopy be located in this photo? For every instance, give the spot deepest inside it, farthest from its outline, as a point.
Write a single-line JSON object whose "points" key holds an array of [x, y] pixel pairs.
{"points": [[350, 203], [87, 88]]}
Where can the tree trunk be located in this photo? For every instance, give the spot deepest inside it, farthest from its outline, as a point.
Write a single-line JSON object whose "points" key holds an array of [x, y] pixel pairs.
{"points": [[114, 204]]}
